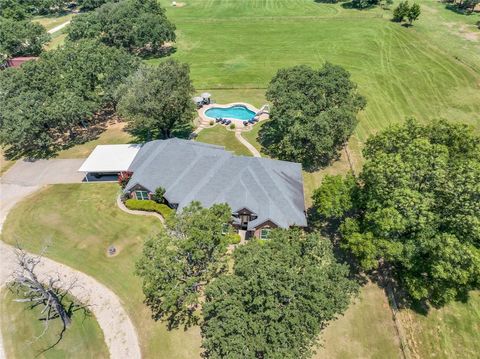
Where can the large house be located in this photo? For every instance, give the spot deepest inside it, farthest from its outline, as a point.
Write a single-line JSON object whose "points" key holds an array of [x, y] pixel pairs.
{"points": [[262, 193]]}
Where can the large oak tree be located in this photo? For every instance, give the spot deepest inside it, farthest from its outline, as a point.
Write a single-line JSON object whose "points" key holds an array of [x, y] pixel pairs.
{"points": [[157, 101], [136, 25], [21, 38], [281, 294], [176, 265], [313, 114]]}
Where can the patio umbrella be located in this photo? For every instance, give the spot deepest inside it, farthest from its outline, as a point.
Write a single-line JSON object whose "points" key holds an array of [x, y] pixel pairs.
{"points": [[198, 99], [206, 95]]}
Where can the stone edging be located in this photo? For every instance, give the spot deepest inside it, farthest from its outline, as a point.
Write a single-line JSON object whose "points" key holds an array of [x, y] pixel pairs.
{"points": [[122, 206]]}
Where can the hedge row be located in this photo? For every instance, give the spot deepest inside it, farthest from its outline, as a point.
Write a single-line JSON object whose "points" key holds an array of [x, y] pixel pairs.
{"points": [[149, 206]]}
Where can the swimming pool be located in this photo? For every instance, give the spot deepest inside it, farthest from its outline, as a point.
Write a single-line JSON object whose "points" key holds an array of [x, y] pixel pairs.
{"points": [[238, 112]]}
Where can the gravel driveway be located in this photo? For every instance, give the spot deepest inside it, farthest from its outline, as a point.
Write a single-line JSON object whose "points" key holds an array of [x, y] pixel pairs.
{"points": [[23, 179], [41, 172]]}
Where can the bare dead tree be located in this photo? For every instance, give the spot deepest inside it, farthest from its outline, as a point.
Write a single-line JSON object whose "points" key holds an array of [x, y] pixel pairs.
{"points": [[49, 292]]}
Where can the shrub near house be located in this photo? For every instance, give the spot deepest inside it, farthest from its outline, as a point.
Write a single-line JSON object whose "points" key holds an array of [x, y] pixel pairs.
{"points": [[149, 206]]}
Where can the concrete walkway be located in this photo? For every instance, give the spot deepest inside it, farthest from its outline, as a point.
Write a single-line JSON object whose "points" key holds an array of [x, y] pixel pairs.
{"points": [[251, 148], [23, 179], [59, 27]]}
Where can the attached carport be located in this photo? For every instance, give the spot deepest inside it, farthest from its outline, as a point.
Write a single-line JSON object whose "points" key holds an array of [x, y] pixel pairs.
{"points": [[108, 161]]}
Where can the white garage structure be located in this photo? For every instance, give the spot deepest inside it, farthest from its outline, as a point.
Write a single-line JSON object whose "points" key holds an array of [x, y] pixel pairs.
{"points": [[109, 160]]}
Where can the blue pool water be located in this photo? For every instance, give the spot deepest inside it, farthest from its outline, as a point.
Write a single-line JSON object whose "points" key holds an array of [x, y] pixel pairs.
{"points": [[238, 112]]}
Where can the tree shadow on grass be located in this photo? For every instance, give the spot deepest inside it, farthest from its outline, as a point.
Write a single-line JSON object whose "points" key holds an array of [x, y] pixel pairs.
{"points": [[71, 309], [85, 131]]}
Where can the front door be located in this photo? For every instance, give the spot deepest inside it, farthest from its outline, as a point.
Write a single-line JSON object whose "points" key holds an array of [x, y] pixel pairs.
{"points": [[244, 219]]}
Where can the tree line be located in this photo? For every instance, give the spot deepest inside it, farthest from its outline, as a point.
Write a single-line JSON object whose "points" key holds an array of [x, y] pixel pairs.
{"points": [[45, 105], [414, 211], [25, 9]]}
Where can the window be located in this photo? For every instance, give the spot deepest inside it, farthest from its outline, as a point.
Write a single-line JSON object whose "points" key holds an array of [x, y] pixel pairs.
{"points": [[264, 233], [143, 195], [225, 228]]}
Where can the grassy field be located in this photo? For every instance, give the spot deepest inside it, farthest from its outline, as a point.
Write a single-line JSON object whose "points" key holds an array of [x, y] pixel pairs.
{"points": [[450, 332], [51, 21], [20, 327], [218, 135], [427, 71], [114, 134], [80, 222], [365, 331]]}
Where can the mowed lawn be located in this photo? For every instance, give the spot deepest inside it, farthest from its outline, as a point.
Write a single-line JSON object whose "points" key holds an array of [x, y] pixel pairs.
{"points": [[426, 71], [366, 330], [219, 135], [21, 326], [114, 134], [449, 332], [79, 222]]}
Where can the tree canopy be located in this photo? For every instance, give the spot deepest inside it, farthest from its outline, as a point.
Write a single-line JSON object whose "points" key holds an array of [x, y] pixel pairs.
{"points": [[157, 101], [336, 196], [45, 101], [21, 38], [138, 26], [313, 114], [23, 9], [406, 12], [281, 294], [177, 264], [92, 4], [419, 209]]}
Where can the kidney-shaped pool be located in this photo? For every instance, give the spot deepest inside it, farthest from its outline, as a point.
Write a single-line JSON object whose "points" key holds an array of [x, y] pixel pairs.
{"points": [[238, 112]]}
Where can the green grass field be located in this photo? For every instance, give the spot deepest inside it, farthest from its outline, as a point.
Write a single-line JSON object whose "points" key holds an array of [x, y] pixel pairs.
{"points": [[366, 330], [21, 325], [427, 71], [449, 332], [114, 134], [218, 135], [80, 222]]}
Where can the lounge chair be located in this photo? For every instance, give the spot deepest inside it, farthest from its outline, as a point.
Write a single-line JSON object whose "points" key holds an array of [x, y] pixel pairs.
{"points": [[228, 122], [245, 123]]}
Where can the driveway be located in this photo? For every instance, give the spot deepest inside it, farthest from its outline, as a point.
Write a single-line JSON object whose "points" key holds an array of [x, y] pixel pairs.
{"points": [[23, 179], [42, 172]]}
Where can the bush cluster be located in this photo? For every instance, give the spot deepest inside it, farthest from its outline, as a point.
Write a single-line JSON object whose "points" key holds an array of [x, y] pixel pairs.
{"points": [[149, 206], [233, 238]]}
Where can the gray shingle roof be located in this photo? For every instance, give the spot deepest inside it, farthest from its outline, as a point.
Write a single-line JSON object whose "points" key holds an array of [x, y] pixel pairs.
{"points": [[193, 171]]}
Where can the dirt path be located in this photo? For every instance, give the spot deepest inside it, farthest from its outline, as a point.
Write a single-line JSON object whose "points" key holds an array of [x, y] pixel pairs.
{"points": [[119, 332], [59, 27]]}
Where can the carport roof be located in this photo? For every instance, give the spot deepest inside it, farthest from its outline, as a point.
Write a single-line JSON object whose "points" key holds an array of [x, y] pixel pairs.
{"points": [[110, 158]]}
